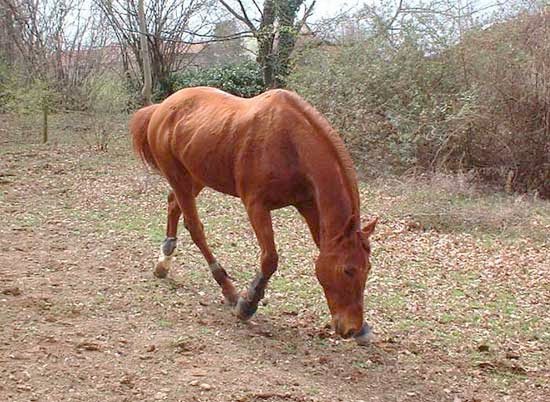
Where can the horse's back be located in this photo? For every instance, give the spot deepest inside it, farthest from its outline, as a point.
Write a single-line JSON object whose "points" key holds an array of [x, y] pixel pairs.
{"points": [[242, 147]]}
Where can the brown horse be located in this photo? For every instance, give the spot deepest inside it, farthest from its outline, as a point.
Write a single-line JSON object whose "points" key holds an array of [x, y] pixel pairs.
{"points": [[271, 151]]}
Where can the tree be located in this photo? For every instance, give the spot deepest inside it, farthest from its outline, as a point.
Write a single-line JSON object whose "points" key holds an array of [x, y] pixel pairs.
{"points": [[52, 40], [275, 33], [221, 51], [147, 91], [171, 26]]}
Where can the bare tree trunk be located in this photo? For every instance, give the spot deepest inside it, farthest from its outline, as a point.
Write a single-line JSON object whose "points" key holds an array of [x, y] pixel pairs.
{"points": [[146, 92], [276, 35]]}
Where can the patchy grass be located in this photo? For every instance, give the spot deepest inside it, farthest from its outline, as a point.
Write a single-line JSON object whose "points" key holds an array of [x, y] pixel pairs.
{"points": [[458, 294], [455, 203], [81, 129]]}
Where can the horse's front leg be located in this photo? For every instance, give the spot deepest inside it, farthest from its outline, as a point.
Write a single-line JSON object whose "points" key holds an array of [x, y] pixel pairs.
{"points": [[260, 218], [168, 246]]}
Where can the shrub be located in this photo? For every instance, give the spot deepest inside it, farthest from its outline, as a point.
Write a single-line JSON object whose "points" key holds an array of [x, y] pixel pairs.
{"points": [[392, 106], [30, 101], [106, 95], [26, 98], [509, 64], [479, 104], [242, 79], [4, 79]]}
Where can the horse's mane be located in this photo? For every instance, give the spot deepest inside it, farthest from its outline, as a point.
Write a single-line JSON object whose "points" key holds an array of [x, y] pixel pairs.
{"points": [[322, 125]]}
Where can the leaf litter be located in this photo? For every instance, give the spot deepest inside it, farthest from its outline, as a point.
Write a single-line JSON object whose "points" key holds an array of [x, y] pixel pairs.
{"points": [[458, 316]]}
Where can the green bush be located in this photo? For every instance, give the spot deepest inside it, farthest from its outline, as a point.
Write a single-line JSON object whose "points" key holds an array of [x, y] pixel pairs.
{"points": [[242, 79], [106, 93], [24, 98], [29, 101], [4, 79]]}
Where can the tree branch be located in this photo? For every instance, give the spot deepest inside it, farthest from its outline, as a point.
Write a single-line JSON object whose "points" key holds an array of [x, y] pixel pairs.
{"points": [[243, 18], [307, 13]]}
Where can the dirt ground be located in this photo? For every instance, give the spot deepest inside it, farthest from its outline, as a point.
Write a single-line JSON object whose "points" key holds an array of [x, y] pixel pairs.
{"points": [[458, 317]]}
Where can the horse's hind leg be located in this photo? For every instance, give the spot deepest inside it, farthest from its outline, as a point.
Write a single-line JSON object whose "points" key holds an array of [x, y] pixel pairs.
{"points": [[260, 218], [168, 246], [186, 201]]}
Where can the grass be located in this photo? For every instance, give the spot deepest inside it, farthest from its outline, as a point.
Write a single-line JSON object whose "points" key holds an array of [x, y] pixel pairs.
{"points": [[454, 267], [163, 323], [457, 204]]}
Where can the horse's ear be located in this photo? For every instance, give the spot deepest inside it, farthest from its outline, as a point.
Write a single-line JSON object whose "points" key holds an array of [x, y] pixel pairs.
{"points": [[369, 227]]}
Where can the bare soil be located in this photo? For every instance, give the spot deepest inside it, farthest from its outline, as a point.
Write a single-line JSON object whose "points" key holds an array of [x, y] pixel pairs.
{"points": [[458, 317]]}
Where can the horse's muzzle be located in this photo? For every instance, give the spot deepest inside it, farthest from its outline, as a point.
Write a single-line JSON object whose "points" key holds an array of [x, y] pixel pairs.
{"points": [[346, 331], [365, 335]]}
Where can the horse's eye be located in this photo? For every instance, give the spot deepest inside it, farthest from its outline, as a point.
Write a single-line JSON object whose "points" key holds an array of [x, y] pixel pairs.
{"points": [[349, 271]]}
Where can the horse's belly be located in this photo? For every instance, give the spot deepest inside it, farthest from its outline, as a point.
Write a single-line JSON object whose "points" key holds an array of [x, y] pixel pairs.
{"points": [[217, 183], [214, 170]]}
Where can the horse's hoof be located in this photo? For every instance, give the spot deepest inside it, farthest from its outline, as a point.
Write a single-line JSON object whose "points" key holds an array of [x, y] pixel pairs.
{"points": [[365, 336], [161, 270], [244, 310]]}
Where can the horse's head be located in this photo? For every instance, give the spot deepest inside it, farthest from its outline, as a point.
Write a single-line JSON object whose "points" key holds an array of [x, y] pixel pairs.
{"points": [[343, 271]]}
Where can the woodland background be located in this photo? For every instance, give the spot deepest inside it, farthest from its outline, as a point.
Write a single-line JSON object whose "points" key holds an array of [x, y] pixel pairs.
{"points": [[412, 86]]}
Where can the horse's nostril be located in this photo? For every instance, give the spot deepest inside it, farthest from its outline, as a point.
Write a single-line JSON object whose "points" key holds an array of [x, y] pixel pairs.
{"points": [[341, 329], [346, 333]]}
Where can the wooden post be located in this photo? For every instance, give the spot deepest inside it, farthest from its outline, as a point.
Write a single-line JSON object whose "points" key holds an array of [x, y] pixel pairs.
{"points": [[45, 120]]}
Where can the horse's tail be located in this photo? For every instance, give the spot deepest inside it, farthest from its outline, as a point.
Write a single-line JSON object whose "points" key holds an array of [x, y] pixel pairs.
{"points": [[139, 125]]}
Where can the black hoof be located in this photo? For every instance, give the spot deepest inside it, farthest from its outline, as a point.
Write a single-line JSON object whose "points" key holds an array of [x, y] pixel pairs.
{"points": [[244, 310]]}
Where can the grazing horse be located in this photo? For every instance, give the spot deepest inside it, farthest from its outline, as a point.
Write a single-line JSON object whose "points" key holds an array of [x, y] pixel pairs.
{"points": [[271, 151]]}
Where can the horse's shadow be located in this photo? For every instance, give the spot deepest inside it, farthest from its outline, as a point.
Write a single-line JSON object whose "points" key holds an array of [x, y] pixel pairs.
{"points": [[278, 335]]}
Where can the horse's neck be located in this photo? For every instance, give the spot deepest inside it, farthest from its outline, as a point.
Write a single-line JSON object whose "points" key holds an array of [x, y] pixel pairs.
{"points": [[334, 190], [334, 203]]}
